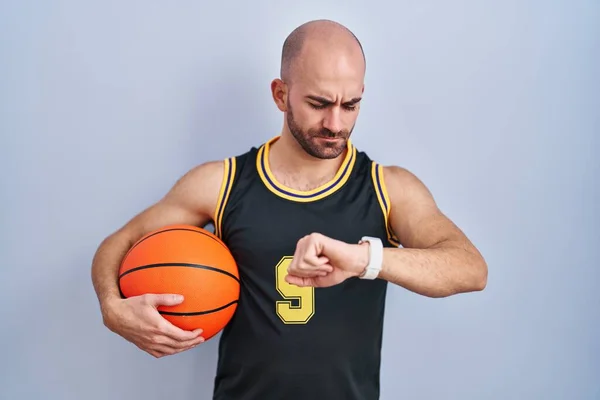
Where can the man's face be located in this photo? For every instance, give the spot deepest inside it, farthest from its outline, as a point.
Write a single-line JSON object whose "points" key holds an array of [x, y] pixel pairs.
{"points": [[323, 105]]}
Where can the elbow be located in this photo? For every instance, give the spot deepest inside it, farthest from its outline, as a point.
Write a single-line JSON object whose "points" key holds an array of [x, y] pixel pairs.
{"points": [[479, 275], [474, 277]]}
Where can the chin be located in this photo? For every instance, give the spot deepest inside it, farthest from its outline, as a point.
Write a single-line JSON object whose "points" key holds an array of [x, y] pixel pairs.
{"points": [[326, 148]]}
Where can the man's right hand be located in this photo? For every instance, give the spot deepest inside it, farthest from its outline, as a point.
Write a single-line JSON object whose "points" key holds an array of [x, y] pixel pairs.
{"points": [[137, 320], [192, 200]]}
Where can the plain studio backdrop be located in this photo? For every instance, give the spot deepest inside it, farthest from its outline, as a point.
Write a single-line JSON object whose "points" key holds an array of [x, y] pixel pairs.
{"points": [[494, 105]]}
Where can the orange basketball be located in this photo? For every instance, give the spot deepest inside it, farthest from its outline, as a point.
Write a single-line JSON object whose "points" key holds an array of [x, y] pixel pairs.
{"points": [[190, 261]]}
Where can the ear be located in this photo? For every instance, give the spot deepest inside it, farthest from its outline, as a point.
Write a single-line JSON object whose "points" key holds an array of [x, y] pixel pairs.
{"points": [[279, 90]]}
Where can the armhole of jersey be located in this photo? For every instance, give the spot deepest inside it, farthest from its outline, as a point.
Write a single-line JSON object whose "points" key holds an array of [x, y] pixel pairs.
{"points": [[384, 200], [226, 184]]}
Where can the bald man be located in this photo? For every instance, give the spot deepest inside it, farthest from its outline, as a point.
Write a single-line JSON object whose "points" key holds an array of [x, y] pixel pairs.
{"points": [[318, 230]]}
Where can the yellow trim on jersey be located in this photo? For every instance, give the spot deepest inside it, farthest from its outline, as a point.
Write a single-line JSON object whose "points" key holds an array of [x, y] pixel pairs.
{"points": [[340, 178], [384, 200], [226, 184]]}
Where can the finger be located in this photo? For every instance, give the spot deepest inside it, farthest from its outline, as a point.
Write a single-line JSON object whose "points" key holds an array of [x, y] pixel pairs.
{"points": [[194, 342], [310, 262], [151, 351], [298, 281], [303, 272], [164, 299], [164, 350], [319, 263], [325, 267], [176, 333], [175, 344], [155, 354], [316, 262]]}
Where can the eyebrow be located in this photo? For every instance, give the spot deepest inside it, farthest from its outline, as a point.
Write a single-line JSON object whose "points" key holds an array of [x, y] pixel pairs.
{"points": [[324, 101]]}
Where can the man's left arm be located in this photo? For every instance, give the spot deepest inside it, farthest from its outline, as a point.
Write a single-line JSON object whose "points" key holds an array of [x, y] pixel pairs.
{"points": [[436, 258]]}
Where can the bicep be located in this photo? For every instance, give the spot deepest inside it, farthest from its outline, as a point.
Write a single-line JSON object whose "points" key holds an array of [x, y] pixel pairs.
{"points": [[191, 201], [415, 217]]}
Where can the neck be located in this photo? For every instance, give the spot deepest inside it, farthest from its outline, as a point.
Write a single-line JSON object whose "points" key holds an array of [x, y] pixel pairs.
{"points": [[293, 167]]}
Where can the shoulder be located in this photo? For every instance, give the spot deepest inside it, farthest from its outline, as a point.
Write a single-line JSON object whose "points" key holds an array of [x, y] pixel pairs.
{"points": [[404, 186], [198, 189], [398, 177], [211, 175], [208, 183], [205, 175]]}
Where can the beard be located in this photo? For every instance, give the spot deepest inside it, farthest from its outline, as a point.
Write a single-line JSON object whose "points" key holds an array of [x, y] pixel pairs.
{"points": [[309, 139]]}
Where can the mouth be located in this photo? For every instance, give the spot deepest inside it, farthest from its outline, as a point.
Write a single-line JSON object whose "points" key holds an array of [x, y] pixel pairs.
{"points": [[330, 138]]}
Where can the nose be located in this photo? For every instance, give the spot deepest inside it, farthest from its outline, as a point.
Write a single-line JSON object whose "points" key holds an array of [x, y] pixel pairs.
{"points": [[333, 120]]}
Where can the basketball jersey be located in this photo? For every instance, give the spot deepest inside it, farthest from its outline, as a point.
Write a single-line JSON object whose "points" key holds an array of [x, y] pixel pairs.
{"points": [[300, 343]]}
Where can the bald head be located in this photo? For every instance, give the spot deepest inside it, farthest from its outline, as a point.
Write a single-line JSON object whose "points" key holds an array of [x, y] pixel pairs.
{"points": [[316, 40], [320, 87]]}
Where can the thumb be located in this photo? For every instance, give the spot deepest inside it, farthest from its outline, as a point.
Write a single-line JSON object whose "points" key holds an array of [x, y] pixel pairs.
{"points": [[166, 299], [297, 281]]}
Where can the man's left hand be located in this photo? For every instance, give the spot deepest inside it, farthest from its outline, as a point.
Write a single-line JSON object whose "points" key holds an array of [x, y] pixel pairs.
{"points": [[315, 251]]}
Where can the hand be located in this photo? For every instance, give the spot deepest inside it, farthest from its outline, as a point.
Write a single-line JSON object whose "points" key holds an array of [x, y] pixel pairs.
{"points": [[316, 253], [137, 320]]}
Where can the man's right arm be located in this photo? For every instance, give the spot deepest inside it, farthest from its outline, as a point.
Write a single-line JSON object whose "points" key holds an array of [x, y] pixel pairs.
{"points": [[192, 200]]}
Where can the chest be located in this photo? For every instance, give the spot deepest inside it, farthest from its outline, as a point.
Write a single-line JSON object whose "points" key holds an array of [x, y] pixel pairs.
{"points": [[261, 228]]}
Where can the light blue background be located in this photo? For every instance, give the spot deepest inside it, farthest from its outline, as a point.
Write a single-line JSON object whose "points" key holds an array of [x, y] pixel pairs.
{"points": [[494, 105]]}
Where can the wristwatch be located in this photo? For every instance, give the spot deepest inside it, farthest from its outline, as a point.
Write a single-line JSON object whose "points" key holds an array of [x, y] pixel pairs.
{"points": [[375, 257]]}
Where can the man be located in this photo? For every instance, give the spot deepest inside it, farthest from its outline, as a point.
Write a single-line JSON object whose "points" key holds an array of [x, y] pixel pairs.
{"points": [[318, 230]]}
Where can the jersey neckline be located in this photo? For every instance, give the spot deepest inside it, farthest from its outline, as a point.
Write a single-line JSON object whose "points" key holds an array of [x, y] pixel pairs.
{"points": [[328, 188]]}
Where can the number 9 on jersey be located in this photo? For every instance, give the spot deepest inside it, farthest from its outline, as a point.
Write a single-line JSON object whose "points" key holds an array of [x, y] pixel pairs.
{"points": [[298, 304]]}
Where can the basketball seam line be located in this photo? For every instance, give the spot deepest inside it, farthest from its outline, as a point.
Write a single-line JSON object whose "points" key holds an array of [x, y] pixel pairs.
{"points": [[184, 314], [188, 265]]}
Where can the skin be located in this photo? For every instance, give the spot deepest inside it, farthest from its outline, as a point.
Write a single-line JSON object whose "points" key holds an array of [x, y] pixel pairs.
{"points": [[437, 259], [319, 98], [192, 200]]}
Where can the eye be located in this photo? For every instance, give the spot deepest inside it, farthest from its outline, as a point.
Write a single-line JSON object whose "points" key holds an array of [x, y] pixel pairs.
{"points": [[347, 107]]}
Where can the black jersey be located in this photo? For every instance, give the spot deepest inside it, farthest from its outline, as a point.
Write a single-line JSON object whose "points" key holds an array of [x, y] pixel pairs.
{"points": [[290, 343]]}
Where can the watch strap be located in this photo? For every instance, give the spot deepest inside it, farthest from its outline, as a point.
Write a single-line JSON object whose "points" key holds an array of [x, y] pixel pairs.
{"points": [[375, 257]]}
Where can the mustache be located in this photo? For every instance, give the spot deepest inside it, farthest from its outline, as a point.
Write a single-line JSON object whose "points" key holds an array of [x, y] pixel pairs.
{"points": [[326, 133]]}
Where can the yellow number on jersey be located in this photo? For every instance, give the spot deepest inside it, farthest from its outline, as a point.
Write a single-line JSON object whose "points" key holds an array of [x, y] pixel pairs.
{"points": [[299, 304]]}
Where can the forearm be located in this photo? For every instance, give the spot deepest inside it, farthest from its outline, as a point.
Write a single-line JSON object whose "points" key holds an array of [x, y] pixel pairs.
{"points": [[434, 272], [105, 267]]}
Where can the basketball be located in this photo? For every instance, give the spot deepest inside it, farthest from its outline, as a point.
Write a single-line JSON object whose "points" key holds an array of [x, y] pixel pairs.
{"points": [[185, 260]]}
